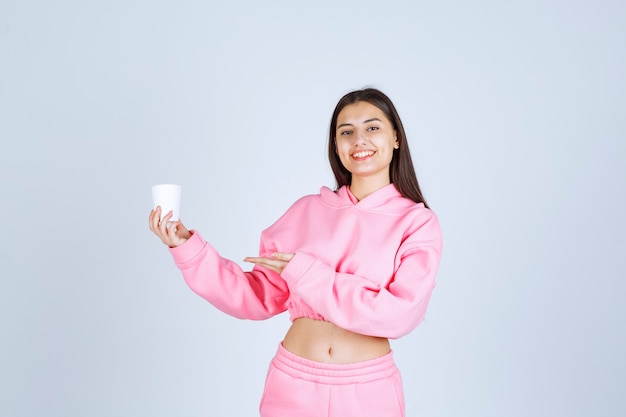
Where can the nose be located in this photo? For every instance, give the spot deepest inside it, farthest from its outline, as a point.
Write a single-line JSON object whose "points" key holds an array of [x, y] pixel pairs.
{"points": [[360, 137]]}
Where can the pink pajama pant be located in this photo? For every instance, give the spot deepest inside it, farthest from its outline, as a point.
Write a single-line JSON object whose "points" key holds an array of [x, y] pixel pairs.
{"points": [[299, 387]]}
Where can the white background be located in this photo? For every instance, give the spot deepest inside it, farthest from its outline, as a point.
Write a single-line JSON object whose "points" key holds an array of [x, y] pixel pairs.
{"points": [[515, 113]]}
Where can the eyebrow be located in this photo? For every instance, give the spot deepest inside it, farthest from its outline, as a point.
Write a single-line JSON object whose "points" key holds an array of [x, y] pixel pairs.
{"points": [[374, 119]]}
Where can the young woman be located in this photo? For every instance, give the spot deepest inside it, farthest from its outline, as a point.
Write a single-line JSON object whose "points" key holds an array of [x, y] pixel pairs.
{"points": [[354, 267]]}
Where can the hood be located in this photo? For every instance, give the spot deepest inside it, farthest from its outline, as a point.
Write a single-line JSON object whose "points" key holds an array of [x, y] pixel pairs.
{"points": [[385, 200]]}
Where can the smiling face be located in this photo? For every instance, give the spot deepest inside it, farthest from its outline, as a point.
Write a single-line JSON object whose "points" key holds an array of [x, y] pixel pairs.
{"points": [[365, 140]]}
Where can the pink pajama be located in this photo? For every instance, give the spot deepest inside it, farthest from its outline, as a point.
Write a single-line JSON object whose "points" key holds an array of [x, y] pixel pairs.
{"points": [[299, 387]]}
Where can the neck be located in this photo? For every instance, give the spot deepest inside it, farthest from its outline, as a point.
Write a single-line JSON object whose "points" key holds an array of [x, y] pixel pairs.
{"points": [[362, 187]]}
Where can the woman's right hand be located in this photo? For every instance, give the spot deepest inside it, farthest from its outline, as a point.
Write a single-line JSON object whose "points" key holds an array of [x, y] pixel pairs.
{"points": [[172, 234]]}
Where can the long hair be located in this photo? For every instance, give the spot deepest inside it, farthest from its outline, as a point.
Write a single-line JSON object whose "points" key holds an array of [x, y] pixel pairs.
{"points": [[401, 170]]}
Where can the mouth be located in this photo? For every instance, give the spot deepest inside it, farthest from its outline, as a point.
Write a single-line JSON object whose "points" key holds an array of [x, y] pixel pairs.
{"points": [[361, 155]]}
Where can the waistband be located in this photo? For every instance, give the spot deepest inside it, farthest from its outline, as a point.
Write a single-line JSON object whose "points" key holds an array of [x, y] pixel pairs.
{"points": [[333, 373], [298, 308]]}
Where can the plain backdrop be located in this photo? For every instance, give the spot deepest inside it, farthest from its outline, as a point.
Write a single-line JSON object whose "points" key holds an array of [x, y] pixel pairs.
{"points": [[515, 113]]}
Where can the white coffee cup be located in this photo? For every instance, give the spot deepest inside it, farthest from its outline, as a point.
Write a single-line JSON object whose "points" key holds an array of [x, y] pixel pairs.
{"points": [[168, 197]]}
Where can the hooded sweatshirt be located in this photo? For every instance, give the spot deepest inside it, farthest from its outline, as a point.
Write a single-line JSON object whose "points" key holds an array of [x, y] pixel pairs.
{"points": [[367, 266]]}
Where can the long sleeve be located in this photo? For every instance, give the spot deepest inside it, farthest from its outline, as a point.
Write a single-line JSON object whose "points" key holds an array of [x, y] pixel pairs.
{"points": [[359, 304], [255, 295]]}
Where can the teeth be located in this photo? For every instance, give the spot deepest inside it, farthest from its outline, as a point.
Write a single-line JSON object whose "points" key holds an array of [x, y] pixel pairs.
{"points": [[362, 154]]}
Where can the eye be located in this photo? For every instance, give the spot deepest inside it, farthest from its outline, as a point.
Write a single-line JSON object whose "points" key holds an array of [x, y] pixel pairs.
{"points": [[372, 128], [345, 132]]}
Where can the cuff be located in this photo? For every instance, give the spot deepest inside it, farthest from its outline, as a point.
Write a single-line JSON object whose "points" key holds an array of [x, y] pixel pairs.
{"points": [[297, 267], [188, 250]]}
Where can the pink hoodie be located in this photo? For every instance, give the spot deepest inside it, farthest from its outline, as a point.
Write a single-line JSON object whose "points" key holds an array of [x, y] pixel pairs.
{"points": [[367, 266]]}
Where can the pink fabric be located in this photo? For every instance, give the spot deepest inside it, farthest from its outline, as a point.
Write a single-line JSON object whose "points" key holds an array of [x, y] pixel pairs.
{"points": [[300, 387], [367, 266]]}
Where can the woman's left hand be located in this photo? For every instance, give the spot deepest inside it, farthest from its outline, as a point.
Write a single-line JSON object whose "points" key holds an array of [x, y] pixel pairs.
{"points": [[277, 262]]}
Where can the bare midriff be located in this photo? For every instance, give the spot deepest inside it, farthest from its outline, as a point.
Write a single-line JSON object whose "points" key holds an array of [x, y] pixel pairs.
{"points": [[322, 341]]}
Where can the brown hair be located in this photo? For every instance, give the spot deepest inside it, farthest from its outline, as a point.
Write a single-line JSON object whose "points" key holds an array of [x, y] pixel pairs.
{"points": [[401, 170]]}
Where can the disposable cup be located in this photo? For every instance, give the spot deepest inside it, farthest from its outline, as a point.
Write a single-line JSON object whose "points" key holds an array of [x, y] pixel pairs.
{"points": [[168, 197]]}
